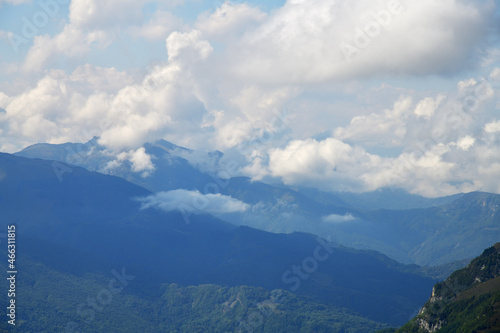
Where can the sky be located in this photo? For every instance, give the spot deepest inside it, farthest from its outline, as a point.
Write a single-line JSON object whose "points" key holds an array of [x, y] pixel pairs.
{"points": [[337, 95]]}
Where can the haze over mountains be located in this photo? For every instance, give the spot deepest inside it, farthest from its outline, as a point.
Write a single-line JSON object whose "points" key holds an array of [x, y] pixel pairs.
{"points": [[408, 228], [76, 226], [177, 225], [264, 166], [89, 221]]}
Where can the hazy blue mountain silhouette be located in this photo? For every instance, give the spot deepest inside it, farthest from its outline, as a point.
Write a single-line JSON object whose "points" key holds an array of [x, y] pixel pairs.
{"points": [[97, 214], [414, 230]]}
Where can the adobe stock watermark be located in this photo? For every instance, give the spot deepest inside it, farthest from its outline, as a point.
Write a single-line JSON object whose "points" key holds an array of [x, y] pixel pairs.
{"points": [[363, 37], [309, 265], [87, 310], [31, 26], [222, 179]]}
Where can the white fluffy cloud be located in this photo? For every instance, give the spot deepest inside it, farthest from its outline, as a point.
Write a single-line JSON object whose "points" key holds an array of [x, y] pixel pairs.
{"points": [[229, 21], [73, 41], [439, 154], [307, 93], [158, 27], [96, 14], [94, 25], [306, 41], [466, 142], [193, 202], [178, 42], [141, 161], [427, 107], [492, 127], [61, 107], [332, 165], [388, 127], [329, 164]]}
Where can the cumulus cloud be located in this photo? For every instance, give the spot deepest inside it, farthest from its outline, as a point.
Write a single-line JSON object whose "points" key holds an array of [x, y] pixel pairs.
{"points": [[178, 42], [276, 91], [72, 41], [193, 201], [492, 127], [95, 14], [92, 25], [389, 126], [140, 160], [61, 107], [427, 107], [305, 41], [92, 101], [94, 78], [466, 142], [333, 165], [329, 164], [160, 25], [441, 143], [229, 21], [161, 105]]}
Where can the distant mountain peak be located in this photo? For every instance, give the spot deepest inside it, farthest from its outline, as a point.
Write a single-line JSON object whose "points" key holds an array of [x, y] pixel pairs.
{"points": [[168, 146]]}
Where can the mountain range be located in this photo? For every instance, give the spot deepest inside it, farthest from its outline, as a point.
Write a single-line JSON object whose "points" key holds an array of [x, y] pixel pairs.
{"points": [[84, 225], [199, 249], [406, 227]]}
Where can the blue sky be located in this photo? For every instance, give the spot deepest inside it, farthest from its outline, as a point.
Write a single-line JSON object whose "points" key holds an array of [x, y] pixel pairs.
{"points": [[354, 95], [11, 19]]}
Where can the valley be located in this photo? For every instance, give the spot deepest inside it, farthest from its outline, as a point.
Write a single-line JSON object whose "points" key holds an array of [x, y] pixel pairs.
{"points": [[78, 227]]}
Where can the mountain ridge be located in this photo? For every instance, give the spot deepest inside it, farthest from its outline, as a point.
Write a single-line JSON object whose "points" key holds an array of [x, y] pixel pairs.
{"points": [[467, 301], [84, 213], [425, 236]]}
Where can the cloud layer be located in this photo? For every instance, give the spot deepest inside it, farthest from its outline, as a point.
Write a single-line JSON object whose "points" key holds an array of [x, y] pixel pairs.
{"points": [[441, 151], [342, 95]]}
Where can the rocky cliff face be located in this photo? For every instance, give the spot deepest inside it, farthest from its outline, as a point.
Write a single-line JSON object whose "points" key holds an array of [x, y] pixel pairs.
{"points": [[468, 300]]}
